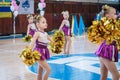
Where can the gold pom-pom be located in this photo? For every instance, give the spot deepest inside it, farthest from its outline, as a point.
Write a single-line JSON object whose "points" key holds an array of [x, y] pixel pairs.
{"points": [[36, 55], [95, 22], [105, 29], [29, 57], [118, 20], [59, 42], [27, 38]]}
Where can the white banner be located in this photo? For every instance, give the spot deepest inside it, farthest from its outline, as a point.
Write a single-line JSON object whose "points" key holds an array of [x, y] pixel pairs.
{"points": [[26, 7]]}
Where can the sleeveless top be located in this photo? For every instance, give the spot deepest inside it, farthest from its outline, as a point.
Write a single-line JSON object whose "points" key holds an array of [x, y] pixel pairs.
{"points": [[67, 23], [43, 38], [32, 26]]}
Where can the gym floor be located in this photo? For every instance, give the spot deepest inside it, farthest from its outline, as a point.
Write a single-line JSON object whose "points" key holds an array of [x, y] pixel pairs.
{"points": [[81, 64]]}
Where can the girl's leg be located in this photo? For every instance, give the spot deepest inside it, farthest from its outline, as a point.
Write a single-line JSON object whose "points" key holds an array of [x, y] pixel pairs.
{"points": [[40, 70], [69, 44], [65, 45], [110, 65], [45, 66], [103, 70]]}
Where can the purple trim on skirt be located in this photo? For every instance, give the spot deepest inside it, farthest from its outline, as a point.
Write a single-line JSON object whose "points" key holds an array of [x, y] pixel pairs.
{"points": [[43, 50], [66, 30], [108, 51]]}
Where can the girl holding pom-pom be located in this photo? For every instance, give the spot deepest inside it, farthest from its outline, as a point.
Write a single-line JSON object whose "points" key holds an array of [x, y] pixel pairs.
{"points": [[41, 39], [31, 26], [108, 53], [65, 27]]}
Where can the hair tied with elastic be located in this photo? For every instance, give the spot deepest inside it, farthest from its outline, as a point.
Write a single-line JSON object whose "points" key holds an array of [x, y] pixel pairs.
{"points": [[29, 15], [63, 12], [37, 17], [105, 7]]}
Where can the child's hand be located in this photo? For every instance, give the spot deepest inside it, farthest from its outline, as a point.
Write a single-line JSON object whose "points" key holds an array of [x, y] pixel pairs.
{"points": [[27, 38], [53, 41]]}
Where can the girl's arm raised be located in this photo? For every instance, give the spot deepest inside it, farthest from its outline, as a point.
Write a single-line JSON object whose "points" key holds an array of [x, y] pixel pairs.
{"points": [[50, 39], [62, 24], [35, 37]]}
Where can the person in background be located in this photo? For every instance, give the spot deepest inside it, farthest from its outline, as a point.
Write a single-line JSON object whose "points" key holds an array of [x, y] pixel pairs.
{"points": [[31, 26], [65, 27]]}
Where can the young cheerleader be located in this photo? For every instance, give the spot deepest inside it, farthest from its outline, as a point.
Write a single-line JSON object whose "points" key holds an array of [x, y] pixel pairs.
{"points": [[65, 27], [41, 38], [108, 51], [31, 26]]}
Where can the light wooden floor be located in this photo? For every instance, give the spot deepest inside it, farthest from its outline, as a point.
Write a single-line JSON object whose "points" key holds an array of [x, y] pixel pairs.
{"points": [[11, 66]]}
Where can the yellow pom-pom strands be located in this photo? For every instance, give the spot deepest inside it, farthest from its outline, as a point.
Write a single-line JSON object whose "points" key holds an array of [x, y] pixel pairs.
{"points": [[29, 57], [95, 22], [105, 29], [118, 20], [36, 55], [59, 42], [27, 38]]}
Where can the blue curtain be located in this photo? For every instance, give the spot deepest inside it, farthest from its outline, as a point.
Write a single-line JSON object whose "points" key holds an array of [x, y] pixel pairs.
{"points": [[81, 26], [75, 27]]}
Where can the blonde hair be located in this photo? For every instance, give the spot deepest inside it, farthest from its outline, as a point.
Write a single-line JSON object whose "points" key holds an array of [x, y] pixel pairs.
{"points": [[29, 15], [105, 10], [65, 12], [37, 18]]}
